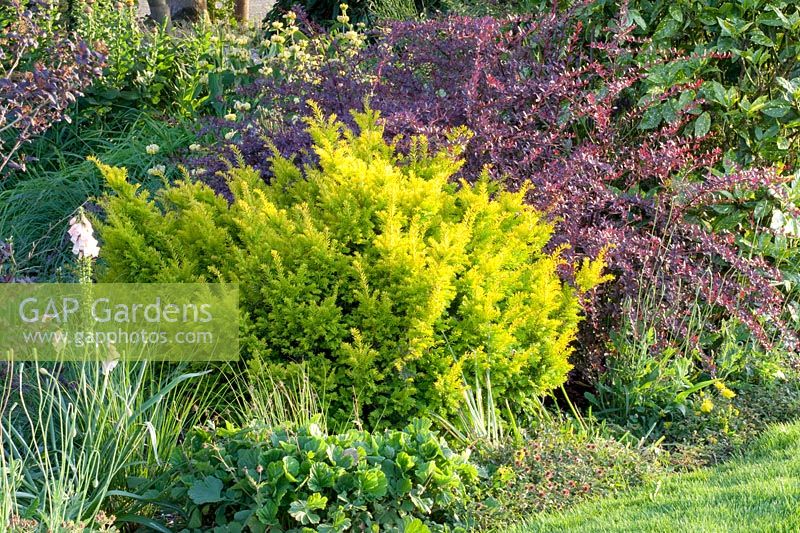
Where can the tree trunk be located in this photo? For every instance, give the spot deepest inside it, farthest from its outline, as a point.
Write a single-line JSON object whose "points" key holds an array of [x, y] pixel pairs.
{"points": [[159, 11], [188, 10], [241, 10]]}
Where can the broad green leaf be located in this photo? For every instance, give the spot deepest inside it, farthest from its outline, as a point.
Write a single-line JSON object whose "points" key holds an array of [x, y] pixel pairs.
{"points": [[651, 118], [303, 513], [416, 526], [149, 523], [757, 105], [635, 16], [267, 513], [728, 29], [778, 220], [681, 397], [405, 461], [761, 39], [291, 467], [702, 125], [668, 112], [373, 483], [784, 22], [776, 108], [206, 490], [717, 92], [425, 470], [403, 485], [320, 477], [667, 29], [317, 502], [430, 449]]}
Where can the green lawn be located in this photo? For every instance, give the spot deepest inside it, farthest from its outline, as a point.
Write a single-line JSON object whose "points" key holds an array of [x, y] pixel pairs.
{"points": [[758, 492]]}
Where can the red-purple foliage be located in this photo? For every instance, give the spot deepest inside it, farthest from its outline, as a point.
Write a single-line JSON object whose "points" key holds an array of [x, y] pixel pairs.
{"points": [[8, 267], [547, 110], [41, 75]]}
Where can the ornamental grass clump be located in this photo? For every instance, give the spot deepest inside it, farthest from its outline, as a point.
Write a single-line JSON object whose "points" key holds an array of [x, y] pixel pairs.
{"points": [[386, 278]]}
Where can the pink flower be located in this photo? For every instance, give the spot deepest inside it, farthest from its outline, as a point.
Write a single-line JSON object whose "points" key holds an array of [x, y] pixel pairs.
{"points": [[81, 234]]}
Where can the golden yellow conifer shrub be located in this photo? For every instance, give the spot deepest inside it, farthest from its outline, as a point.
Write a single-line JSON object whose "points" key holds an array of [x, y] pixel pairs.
{"points": [[387, 279]]}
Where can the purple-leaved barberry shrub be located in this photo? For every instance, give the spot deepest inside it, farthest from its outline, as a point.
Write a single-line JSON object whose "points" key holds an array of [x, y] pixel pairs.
{"points": [[544, 108], [41, 75], [9, 273]]}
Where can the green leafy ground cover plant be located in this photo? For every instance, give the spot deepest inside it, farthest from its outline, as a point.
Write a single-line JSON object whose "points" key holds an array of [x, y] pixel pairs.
{"points": [[306, 480], [554, 467], [757, 492], [385, 278], [730, 419]]}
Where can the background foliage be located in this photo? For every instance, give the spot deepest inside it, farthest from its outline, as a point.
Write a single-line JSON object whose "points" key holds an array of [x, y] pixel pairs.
{"points": [[674, 220]]}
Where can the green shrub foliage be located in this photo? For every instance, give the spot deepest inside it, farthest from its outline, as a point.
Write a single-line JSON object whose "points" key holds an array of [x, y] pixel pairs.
{"points": [[552, 470], [258, 479], [386, 278]]}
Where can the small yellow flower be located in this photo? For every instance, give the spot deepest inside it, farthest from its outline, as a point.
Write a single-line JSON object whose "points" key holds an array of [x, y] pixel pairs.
{"points": [[505, 474], [230, 116], [724, 391], [707, 406], [194, 147], [230, 135], [727, 393], [152, 149]]}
